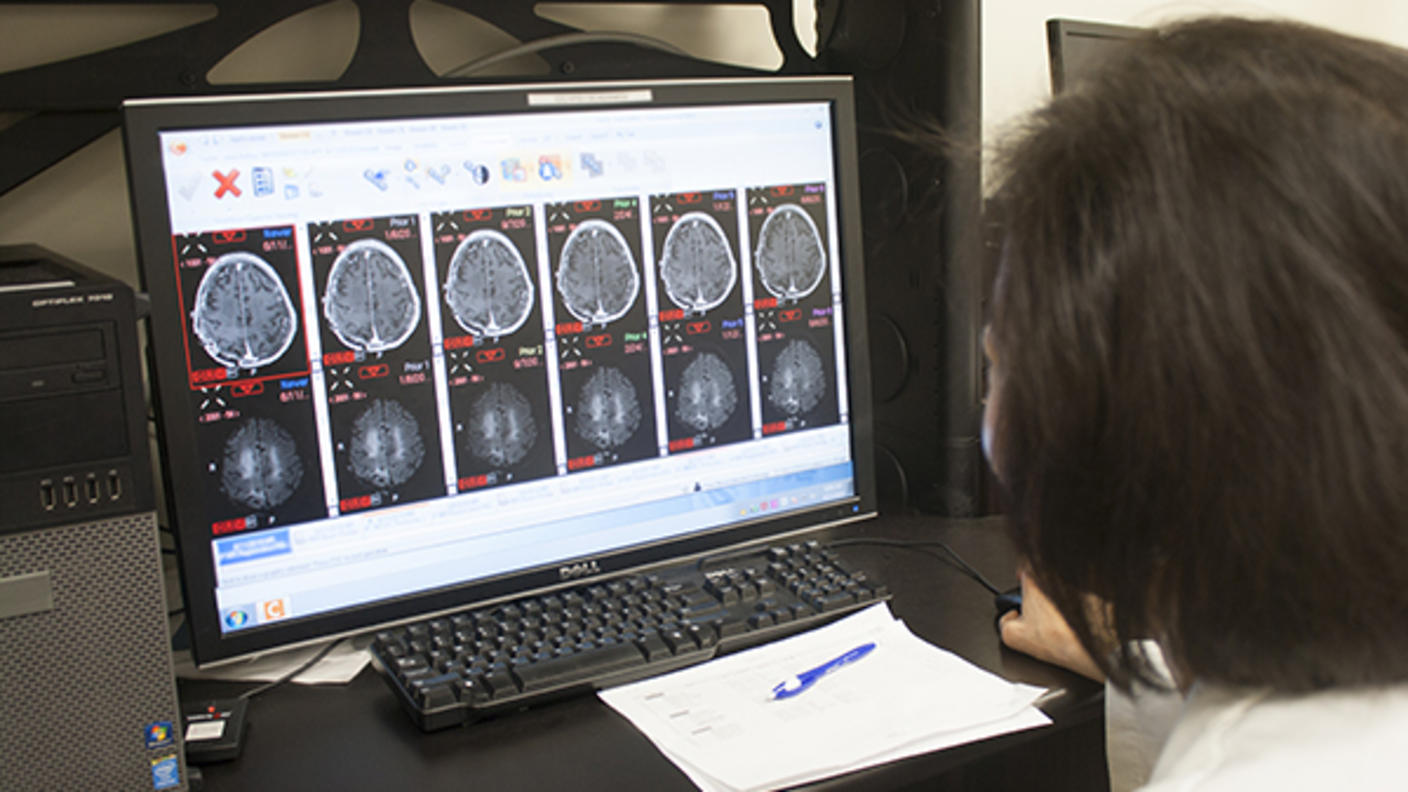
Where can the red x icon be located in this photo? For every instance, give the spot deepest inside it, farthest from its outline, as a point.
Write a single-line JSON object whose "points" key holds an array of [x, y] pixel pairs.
{"points": [[227, 183]]}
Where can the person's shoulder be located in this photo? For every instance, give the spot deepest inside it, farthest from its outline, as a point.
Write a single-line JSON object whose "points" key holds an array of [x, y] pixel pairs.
{"points": [[1233, 739]]}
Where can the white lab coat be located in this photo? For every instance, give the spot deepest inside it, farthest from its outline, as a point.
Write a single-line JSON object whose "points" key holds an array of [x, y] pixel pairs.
{"points": [[1237, 740]]}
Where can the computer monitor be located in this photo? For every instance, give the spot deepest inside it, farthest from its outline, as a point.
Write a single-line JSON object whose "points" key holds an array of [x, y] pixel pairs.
{"points": [[1075, 47], [426, 348]]}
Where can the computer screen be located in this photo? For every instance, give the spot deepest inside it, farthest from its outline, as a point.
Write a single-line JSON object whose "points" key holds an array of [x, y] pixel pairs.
{"points": [[417, 349], [1075, 48]]}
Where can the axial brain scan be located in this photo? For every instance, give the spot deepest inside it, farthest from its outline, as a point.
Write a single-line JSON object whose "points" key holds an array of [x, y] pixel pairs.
{"points": [[706, 396], [697, 265], [371, 302], [596, 274], [608, 412], [501, 428], [790, 257], [798, 378], [488, 288], [243, 315], [260, 468], [386, 448]]}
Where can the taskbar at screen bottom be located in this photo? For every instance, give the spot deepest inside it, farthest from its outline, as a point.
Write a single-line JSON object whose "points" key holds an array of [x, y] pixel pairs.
{"points": [[275, 599]]}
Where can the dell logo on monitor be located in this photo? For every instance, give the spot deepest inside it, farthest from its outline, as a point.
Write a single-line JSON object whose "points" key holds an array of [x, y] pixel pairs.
{"points": [[578, 570]]}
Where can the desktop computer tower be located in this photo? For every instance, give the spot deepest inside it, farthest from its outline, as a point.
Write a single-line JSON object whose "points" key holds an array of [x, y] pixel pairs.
{"points": [[85, 661]]}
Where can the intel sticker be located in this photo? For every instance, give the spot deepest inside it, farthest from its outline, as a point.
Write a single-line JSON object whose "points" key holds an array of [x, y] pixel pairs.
{"points": [[166, 772]]}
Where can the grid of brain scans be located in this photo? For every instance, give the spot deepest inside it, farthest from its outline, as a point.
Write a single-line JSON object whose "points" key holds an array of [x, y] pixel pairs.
{"points": [[247, 365], [602, 328], [377, 360], [495, 370], [703, 345], [354, 364], [793, 307]]}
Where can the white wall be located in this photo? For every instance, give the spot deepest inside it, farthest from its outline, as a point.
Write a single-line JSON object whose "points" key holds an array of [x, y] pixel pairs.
{"points": [[1016, 77]]}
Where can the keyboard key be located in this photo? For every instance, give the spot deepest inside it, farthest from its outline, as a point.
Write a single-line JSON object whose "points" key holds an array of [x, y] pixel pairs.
{"points": [[653, 646], [435, 691], [498, 679], [411, 675], [704, 635], [471, 690], [594, 661], [730, 627], [833, 601]]}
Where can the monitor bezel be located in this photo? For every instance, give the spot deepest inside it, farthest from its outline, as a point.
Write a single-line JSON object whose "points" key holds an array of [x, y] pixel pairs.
{"points": [[144, 120], [1064, 34]]}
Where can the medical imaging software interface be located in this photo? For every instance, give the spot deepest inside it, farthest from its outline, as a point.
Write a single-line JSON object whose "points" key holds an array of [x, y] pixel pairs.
{"points": [[426, 351]]}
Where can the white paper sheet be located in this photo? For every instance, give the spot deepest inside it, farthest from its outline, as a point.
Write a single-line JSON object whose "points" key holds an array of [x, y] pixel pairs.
{"points": [[720, 725]]}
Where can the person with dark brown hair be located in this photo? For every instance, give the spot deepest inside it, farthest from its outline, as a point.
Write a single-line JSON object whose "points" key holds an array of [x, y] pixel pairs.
{"points": [[1198, 404]]}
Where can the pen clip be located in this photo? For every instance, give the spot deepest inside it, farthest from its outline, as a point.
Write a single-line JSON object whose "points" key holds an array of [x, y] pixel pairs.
{"points": [[808, 678]]}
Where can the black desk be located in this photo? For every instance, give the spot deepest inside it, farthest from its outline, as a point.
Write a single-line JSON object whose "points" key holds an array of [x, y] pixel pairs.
{"points": [[356, 736]]}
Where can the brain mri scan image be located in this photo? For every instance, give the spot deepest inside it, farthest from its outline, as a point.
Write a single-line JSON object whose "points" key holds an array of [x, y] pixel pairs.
{"points": [[790, 257], [261, 468], [697, 265], [607, 412], [243, 315], [371, 302], [488, 288], [385, 449], [705, 396], [596, 275], [798, 379], [500, 426]]}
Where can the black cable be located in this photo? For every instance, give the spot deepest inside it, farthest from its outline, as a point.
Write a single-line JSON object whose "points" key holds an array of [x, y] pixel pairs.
{"points": [[566, 39], [309, 663], [923, 544]]}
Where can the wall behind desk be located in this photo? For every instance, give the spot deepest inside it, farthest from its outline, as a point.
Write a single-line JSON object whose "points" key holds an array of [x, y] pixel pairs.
{"points": [[1016, 77]]}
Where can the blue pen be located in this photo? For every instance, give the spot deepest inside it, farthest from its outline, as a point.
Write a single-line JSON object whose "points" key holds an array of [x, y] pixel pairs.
{"points": [[806, 679]]}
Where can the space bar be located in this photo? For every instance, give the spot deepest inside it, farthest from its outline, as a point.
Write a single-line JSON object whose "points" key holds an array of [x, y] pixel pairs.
{"points": [[544, 674]]}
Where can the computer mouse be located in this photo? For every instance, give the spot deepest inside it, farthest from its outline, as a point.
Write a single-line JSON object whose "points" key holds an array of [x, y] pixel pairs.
{"points": [[1009, 600]]}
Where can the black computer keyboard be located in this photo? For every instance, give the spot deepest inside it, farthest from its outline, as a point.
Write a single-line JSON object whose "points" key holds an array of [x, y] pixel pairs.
{"points": [[459, 668]]}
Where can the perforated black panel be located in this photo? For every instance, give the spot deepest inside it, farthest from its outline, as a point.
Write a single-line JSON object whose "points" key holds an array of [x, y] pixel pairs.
{"points": [[82, 684]]}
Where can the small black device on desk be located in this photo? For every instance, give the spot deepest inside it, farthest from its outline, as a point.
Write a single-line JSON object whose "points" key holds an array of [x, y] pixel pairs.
{"points": [[214, 729]]}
